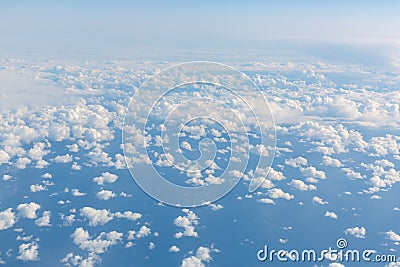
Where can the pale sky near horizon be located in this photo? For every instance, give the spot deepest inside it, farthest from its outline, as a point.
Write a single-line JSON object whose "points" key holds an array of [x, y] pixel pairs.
{"points": [[353, 28]]}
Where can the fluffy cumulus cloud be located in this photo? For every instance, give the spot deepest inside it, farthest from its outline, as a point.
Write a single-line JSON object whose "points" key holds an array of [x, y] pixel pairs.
{"points": [[142, 232], [105, 194], [279, 193], [201, 258], [300, 185], [102, 216], [96, 217], [188, 222], [72, 259], [174, 249], [28, 252], [358, 232], [44, 220], [7, 219], [319, 200], [331, 214], [28, 210], [105, 177], [98, 244], [391, 235]]}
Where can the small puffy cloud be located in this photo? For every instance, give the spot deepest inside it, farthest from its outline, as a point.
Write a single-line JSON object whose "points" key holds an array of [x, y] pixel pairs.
{"points": [[96, 217], [174, 249], [4, 157], [44, 220], [275, 175], [143, 232], [358, 232], [28, 252], [99, 244], [335, 264], [352, 174], [129, 215], [203, 255], [192, 261], [215, 207], [105, 194], [76, 193], [47, 176], [188, 222], [186, 145], [7, 219], [300, 185], [21, 163], [6, 177], [328, 161], [319, 200], [75, 260], [37, 188], [279, 193], [313, 172], [28, 210], [152, 245], [266, 201], [296, 162], [331, 214], [62, 159], [105, 177], [391, 235]]}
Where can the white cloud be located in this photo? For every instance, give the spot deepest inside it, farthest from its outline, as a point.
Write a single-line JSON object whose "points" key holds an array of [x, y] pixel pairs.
{"points": [[28, 210], [23, 91], [331, 214], [143, 232], [96, 217], [186, 145], [391, 235], [203, 255], [105, 177], [6, 177], [47, 176], [76, 260], [44, 220], [4, 157], [352, 174], [37, 188], [75, 192], [188, 222], [62, 159], [279, 193], [152, 245], [300, 185], [7, 219], [313, 172], [358, 232], [174, 249], [28, 252], [328, 161], [132, 216], [296, 162], [319, 200], [105, 194], [335, 264], [215, 207], [266, 201], [99, 244], [21, 163]]}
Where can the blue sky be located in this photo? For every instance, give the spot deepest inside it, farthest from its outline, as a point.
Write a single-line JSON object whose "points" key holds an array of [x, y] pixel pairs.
{"points": [[133, 29]]}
